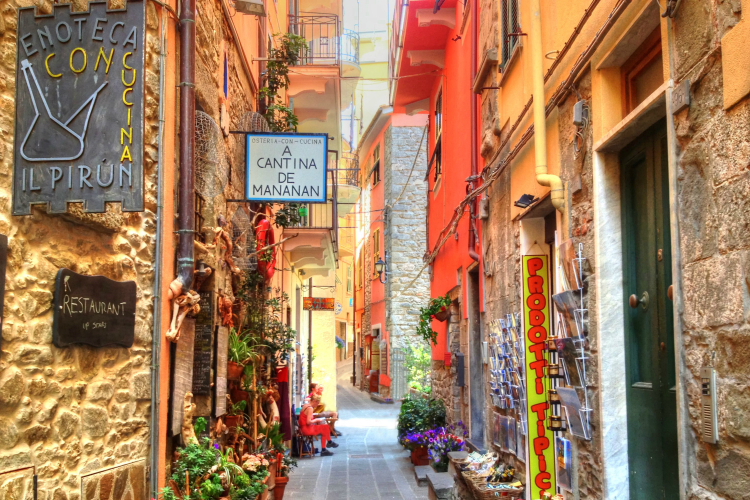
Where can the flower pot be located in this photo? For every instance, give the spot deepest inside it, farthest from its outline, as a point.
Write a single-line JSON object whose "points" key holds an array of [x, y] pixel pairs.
{"points": [[272, 473], [419, 456], [278, 491], [233, 420], [239, 395], [234, 370], [441, 466], [443, 315]]}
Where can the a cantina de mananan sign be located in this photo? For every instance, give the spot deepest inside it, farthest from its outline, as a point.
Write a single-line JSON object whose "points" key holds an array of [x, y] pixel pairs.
{"points": [[541, 461], [287, 167], [79, 108]]}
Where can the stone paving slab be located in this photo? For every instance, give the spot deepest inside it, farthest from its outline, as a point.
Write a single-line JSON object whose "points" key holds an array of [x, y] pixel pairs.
{"points": [[368, 428]]}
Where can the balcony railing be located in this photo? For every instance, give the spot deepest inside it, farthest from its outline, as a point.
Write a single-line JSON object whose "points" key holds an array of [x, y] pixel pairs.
{"points": [[321, 215], [348, 172], [350, 47], [326, 46]]}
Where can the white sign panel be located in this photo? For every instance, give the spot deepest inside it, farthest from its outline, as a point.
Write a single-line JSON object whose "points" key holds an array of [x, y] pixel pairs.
{"points": [[287, 167]]}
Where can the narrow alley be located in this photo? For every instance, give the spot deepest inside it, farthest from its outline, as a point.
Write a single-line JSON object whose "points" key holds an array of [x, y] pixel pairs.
{"points": [[369, 464]]}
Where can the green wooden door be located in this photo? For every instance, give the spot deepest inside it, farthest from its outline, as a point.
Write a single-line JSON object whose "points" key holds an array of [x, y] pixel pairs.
{"points": [[651, 394]]}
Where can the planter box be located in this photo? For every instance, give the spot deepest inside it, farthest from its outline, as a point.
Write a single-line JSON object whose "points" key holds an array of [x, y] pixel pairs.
{"points": [[419, 456], [234, 370]]}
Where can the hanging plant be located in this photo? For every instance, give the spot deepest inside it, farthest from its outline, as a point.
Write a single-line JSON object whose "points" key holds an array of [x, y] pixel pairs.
{"points": [[280, 117], [288, 215], [437, 308]]}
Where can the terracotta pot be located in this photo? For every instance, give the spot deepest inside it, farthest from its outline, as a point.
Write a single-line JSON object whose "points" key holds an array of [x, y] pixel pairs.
{"points": [[239, 395], [234, 370], [278, 491], [443, 315], [420, 456], [271, 480], [233, 420]]}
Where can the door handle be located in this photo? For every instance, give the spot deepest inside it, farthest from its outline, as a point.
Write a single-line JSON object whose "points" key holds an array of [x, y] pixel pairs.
{"points": [[643, 301]]}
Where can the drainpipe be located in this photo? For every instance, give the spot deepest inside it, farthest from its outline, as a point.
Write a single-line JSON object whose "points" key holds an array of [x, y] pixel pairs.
{"points": [[186, 231], [156, 341], [554, 182], [473, 236]]}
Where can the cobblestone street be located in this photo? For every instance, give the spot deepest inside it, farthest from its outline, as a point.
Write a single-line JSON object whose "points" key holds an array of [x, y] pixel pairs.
{"points": [[368, 429]]}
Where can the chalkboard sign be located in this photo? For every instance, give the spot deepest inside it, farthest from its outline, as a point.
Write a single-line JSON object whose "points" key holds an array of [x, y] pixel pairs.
{"points": [[93, 310], [204, 343]]}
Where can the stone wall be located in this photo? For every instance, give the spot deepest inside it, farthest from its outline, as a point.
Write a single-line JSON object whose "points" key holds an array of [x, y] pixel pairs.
{"points": [[405, 232], [444, 377], [77, 408], [714, 224]]}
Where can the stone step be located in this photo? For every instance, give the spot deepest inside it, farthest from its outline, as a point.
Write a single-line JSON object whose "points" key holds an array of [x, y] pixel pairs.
{"points": [[420, 472], [440, 484]]}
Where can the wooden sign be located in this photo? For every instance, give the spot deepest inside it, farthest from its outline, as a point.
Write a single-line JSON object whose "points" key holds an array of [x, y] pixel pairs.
{"points": [[318, 304], [222, 349], [182, 376], [204, 344], [93, 310]]}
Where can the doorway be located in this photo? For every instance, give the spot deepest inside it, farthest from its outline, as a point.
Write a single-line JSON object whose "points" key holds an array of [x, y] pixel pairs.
{"points": [[649, 340], [477, 386]]}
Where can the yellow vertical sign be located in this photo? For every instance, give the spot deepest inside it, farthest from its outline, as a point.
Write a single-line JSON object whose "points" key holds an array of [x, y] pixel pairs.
{"points": [[536, 315]]}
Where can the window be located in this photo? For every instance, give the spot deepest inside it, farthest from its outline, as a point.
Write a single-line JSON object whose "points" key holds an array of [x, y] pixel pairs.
{"points": [[642, 73], [375, 248], [349, 276], [437, 155], [375, 172], [360, 270], [511, 28]]}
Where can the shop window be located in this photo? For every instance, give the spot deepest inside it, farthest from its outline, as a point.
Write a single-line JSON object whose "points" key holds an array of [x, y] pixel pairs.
{"points": [[511, 27], [199, 220], [437, 155], [642, 73], [375, 172], [375, 248]]}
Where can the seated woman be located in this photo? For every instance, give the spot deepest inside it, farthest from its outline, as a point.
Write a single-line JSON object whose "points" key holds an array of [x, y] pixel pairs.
{"points": [[310, 426], [320, 408]]}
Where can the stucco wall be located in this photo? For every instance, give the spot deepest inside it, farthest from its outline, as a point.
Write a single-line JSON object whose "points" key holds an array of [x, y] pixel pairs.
{"points": [[77, 409]]}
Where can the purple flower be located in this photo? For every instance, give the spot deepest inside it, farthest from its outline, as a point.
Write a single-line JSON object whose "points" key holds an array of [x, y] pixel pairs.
{"points": [[217, 446]]}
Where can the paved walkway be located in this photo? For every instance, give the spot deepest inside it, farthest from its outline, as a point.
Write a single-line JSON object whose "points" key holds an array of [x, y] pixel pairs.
{"points": [[368, 428]]}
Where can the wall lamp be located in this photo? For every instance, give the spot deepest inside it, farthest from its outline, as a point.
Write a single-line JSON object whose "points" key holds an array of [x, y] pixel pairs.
{"points": [[525, 201], [380, 270]]}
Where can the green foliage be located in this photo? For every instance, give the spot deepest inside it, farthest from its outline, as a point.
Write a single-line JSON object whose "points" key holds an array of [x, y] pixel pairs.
{"points": [[339, 344], [240, 350], [274, 440], [280, 117], [287, 464], [200, 426], [288, 215], [420, 414], [198, 460], [419, 365], [426, 314], [238, 408], [247, 488]]}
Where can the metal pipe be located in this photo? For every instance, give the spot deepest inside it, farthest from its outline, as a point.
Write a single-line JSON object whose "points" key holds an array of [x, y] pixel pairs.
{"points": [[473, 234], [309, 334], [156, 335], [186, 231], [554, 182]]}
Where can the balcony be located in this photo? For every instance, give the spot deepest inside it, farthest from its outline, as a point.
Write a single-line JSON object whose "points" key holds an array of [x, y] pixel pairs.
{"points": [[348, 183], [314, 245]]}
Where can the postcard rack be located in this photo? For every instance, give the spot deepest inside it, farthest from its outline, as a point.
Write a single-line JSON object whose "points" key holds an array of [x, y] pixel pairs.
{"points": [[506, 360]]}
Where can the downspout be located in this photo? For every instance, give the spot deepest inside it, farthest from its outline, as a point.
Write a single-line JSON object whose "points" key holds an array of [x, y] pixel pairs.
{"points": [[309, 335], [156, 335], [473, 236], [557, 194], [186, 231]]}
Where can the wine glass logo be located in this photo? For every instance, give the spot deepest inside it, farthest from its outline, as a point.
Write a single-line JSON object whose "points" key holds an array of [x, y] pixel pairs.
{"points": [[51, 134]]}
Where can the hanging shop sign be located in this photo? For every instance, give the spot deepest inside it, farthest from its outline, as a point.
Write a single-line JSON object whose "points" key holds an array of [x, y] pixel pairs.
{"points": [[318, 304], [537, 321], [93, 310], [79, 108], [287, 167]]}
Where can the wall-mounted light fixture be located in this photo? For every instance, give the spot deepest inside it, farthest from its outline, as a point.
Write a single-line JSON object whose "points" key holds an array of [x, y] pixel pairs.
{"points": [[380, 270], [251, 7], [526, 200]]}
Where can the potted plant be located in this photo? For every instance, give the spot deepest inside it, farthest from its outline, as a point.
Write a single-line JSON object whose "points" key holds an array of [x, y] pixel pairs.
{"points": [[285, 466], [439, 309], [441, 442], [239, 352], [417, 443], [236, 414]]}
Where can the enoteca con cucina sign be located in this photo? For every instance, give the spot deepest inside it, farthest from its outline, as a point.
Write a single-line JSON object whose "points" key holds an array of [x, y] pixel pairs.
{"points": [[79, 108]]}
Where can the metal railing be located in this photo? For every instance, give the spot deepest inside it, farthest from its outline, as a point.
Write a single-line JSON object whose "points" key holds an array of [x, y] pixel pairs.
{"points": [[350, 47], [321, 215], [326, 46], [348, 172], [322, 35]]}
